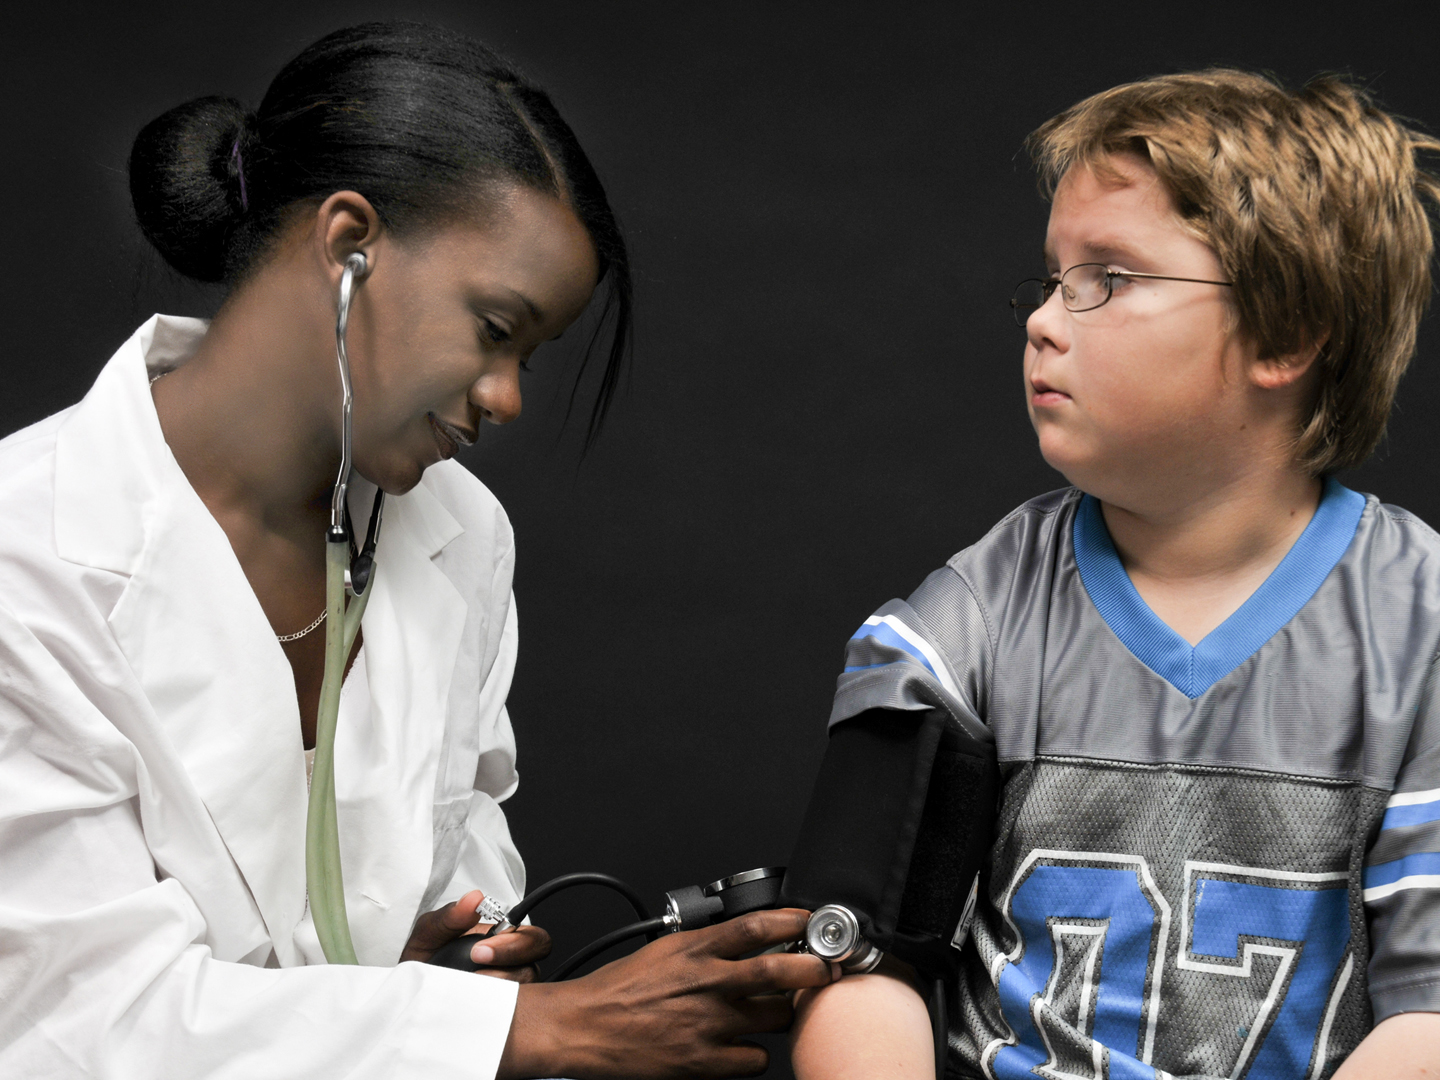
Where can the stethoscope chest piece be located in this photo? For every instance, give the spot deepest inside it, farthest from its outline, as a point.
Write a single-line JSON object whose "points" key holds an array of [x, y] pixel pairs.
{"points": [[833, 934]]}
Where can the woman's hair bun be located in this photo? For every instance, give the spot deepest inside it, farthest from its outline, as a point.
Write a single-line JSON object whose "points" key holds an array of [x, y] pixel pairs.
{"points": [[187, 184]]}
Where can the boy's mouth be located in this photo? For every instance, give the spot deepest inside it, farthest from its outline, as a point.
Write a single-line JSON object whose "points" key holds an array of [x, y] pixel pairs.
{"points": [[1042, 394]]}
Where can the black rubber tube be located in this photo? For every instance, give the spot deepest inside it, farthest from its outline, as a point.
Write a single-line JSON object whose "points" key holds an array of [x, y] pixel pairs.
{"points": [[940, 1024], [567, 881], [649, 928]]}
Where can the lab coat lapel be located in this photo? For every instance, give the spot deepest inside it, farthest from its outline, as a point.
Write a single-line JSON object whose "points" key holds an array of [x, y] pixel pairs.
{"points": [[386, 760], [207, 658], [188, 622]]}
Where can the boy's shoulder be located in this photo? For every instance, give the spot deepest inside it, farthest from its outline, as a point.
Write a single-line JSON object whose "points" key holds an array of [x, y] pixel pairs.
{"points": [[1037, 521], [1017, 556], [1386, 522], [1392, 570], [1392, 554]]}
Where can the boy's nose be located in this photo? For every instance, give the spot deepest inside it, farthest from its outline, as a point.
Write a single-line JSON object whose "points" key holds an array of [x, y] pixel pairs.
{"points": [[1047, 323]]}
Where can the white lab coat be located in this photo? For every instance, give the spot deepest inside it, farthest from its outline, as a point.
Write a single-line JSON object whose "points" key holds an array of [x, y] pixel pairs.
{"points": [[152, 782]]}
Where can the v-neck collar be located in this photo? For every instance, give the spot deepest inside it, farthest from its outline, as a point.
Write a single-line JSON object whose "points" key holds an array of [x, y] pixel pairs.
{"points": [[1194, 669]]}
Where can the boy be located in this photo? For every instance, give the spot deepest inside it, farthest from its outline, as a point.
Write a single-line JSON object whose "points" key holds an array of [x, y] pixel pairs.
{"points": [[1210, 669]]}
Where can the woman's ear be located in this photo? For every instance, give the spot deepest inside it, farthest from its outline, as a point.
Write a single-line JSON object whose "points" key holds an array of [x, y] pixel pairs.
{"points": [[345, 223]]}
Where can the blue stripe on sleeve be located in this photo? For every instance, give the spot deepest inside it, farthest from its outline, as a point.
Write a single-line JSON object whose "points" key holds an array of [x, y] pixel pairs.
{"points": [[884, 634], [1398, 817], [1421, 863]]}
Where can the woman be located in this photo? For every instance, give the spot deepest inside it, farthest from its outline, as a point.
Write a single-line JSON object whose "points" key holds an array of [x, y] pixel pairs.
{"points": [[162, 567]]}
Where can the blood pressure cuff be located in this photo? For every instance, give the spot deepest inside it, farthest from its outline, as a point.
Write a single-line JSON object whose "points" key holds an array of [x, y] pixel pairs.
{"points": [[899, 825]]}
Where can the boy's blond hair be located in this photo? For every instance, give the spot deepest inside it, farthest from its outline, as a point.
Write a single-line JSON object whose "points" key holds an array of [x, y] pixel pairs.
{"points": [[1313, 201]]}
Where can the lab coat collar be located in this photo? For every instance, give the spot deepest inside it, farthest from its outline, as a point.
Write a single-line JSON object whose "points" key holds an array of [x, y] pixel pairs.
{"points": [[428, 525], [110, 455], [221, 687]]}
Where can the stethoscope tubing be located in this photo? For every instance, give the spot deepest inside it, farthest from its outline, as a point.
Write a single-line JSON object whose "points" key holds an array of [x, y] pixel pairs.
{"points": [[346, 575], [324, 880]]}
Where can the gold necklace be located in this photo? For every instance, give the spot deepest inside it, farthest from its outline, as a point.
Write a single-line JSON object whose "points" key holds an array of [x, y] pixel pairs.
{"points": [[283, 638]]}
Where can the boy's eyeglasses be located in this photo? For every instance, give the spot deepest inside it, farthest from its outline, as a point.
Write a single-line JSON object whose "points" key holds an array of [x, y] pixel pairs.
{"points": [[1084, 287]]}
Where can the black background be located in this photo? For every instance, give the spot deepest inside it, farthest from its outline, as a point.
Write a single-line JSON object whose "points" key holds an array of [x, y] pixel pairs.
{"points": [[828, 207]]}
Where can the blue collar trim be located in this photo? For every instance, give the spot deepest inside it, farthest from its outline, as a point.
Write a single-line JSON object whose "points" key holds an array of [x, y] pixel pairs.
{"points": [[1193, 670]]}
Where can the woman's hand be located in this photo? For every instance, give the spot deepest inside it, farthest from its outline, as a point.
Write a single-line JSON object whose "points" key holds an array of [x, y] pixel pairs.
{"points": [[511, 955], [677, 1007]]}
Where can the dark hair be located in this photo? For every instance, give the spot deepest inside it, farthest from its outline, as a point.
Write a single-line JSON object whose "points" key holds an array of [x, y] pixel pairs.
{"points": [[419, 120]]}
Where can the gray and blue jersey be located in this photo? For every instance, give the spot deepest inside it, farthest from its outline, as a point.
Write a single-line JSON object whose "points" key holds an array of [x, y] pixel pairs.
{"points": [[1211, 861]]}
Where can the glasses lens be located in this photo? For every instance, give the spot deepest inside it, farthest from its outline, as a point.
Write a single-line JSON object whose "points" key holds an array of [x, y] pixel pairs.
{"points": [[1085, 286], [1029, 295]]}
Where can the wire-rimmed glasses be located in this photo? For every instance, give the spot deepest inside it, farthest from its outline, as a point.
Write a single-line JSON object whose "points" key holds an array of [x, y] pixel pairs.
{"points": [[1084, 287]]}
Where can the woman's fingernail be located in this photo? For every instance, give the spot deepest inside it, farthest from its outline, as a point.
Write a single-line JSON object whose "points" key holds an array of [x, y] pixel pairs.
{"points": [[482, 954]]}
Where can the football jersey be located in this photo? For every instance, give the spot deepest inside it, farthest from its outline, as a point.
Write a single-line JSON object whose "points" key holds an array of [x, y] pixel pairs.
{"points": [[1210, 861]]}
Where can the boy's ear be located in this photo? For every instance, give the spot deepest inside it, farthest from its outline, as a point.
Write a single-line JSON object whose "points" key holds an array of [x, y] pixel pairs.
{"points": [[1287, 369]]}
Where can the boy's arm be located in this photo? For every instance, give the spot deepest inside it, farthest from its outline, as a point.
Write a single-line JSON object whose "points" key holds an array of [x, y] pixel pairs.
{"points": [[1404, 1047], [877, 1026], [863, 1027]]}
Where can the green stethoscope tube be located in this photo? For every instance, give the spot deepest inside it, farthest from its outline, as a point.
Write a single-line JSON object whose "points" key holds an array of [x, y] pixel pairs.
{"points": [[323, 878], [322, 835]]}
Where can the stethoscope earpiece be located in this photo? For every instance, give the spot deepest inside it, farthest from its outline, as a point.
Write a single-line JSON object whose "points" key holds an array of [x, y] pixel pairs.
{"points": [[355, 266]]}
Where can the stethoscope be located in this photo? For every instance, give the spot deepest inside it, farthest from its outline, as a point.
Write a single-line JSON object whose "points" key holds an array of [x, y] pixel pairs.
{"points": [[348, 573]]}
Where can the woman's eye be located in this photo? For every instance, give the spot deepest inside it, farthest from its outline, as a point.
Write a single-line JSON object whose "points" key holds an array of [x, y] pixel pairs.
{"points": [[494, 333]]}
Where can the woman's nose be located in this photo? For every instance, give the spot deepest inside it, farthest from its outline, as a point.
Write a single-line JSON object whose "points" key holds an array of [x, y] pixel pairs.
{"points": [[497, 395]]}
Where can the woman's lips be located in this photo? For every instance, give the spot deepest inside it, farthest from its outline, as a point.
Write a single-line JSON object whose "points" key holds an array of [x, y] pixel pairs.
{"points": [[448, 437]]}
